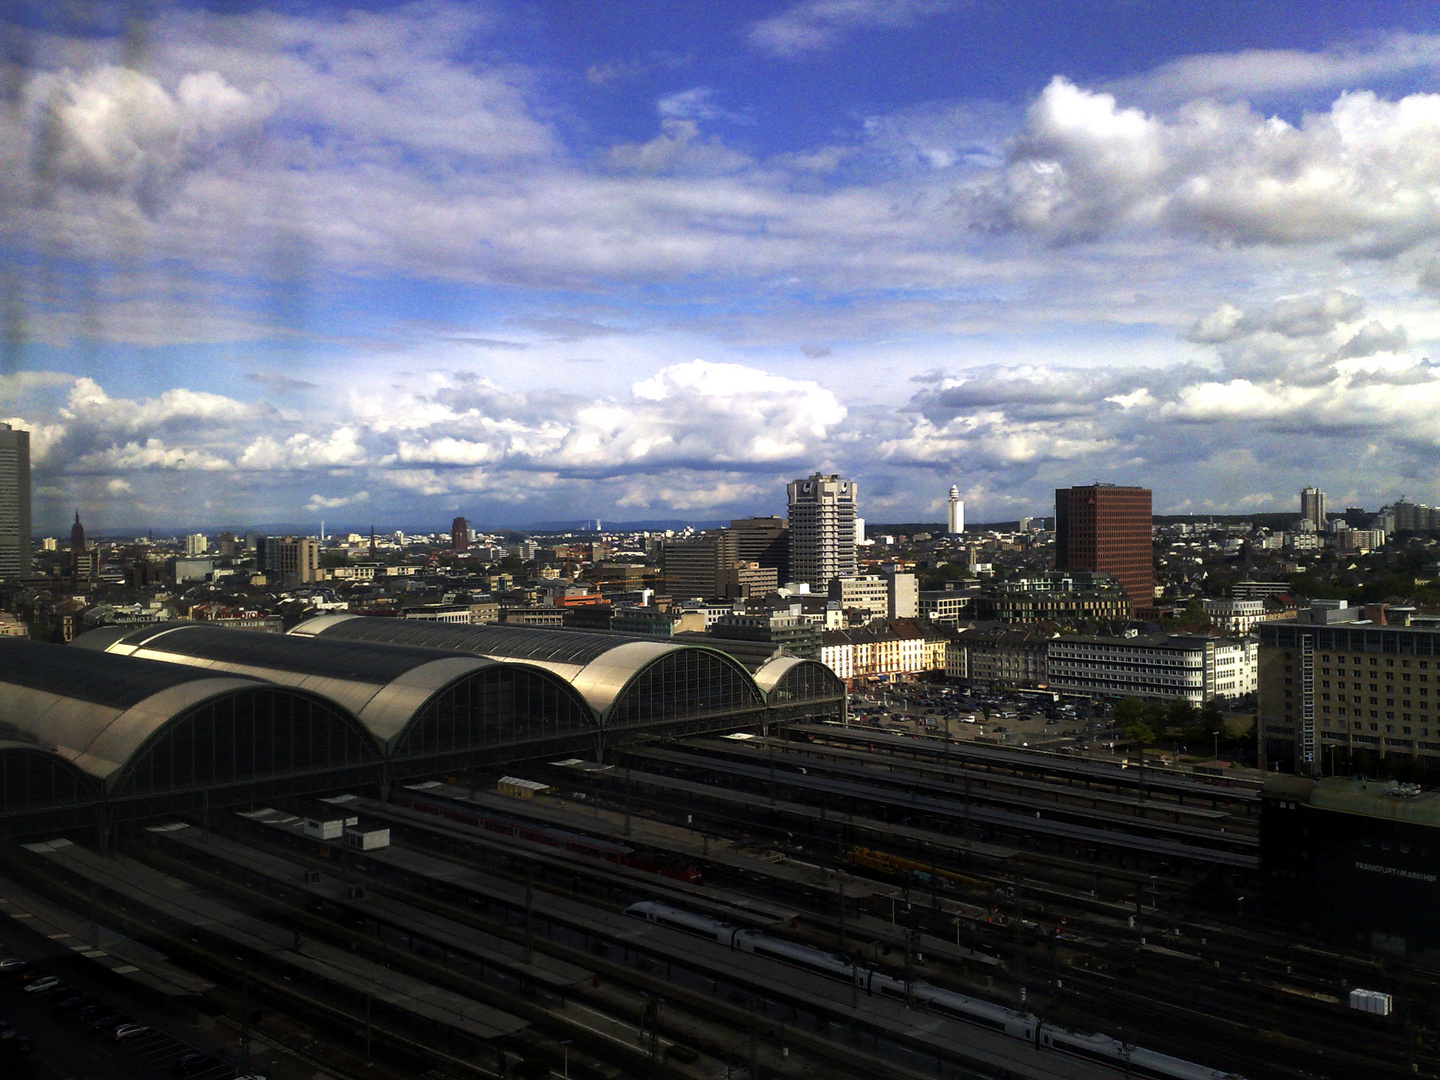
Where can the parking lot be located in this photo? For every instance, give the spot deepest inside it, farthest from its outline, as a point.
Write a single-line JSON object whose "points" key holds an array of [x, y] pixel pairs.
{"points": [[1030, 719]]}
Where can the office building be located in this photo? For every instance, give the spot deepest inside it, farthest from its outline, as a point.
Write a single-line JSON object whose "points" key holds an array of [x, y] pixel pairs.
{"points": [[765, 541], [695, 568], [1164, 667], [459, 535], [1334, 686], [292, 560], [822, 529], [999, 657], [1312, 509], [14, 503], [945, 606], [1107, 528], [902, 595], [955, 512], [866, 594]]}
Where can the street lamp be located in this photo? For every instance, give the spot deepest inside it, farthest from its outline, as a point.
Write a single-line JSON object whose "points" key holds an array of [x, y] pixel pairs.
{"points": [[565, 1046]]}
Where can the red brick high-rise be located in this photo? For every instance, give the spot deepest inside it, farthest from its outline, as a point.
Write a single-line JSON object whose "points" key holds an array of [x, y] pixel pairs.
{"points": [[1106, 529]]}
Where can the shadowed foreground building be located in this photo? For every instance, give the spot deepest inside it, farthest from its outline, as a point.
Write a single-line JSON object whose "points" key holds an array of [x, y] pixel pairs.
{"points": [[1354, 860]]}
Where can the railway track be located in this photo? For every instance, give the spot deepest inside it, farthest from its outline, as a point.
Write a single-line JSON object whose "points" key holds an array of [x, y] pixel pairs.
{"points": [[1286, 986]]}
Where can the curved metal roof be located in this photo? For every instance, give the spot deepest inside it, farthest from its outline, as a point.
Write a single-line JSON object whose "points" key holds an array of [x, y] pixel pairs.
{"points": [[773, 675], [93, 709], [599, 666], [385, 686], [768, 676]]}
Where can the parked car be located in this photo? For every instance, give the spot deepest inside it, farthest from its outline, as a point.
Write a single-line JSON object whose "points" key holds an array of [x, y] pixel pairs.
{"points": [[13, 965], [129, 1031], [40, 985], [193, 1063]]}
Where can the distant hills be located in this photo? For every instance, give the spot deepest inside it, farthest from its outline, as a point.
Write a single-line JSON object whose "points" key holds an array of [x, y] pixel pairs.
{"points": [[581, 525]]}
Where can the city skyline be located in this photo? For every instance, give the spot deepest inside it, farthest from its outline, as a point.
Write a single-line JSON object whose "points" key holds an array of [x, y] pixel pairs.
{"points": [[538, 263]]}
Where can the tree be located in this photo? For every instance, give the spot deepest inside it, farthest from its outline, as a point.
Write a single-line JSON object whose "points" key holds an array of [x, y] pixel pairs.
{"points": [[1211, 719], [1179, 713], [1141, 720]]}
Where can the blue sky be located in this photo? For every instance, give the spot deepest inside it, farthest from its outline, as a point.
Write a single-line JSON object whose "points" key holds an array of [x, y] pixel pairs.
{"points": [[553, 260]]}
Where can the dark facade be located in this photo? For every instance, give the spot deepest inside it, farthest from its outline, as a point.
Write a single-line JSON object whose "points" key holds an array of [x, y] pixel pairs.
{"points": [[696, 568], [766, 541], [1107, 528], [15, 539], [1355, 861], [459, 535]]}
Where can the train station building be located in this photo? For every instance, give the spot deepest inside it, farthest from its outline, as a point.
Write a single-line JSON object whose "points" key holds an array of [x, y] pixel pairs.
{"points": [[129, 724]]}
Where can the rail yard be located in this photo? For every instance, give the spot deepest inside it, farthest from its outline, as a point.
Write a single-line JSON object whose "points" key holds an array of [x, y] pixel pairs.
{"points": [[828, 901]]}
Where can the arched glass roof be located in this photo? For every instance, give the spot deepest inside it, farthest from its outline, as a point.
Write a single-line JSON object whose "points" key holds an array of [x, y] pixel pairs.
{"points": [[33, 777], [599, 666], [97, 710], [786, 680], [385, 685]]}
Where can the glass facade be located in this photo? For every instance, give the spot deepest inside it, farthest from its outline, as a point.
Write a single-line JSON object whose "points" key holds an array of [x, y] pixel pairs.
{"points": [[500, 706], [684, 684], [245, 736]]}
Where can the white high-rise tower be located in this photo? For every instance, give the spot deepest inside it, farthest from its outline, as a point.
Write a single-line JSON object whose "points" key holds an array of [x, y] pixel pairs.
{"points": [[822, 529], [955, 512]]}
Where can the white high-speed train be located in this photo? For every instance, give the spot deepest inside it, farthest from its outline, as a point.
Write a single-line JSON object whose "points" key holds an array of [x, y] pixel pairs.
{"points": [[1139, 1061]]}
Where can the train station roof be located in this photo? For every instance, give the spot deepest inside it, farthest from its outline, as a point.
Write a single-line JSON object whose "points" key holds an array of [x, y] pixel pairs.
{"points": [[94, 710], [385, 685], [599, 665]]}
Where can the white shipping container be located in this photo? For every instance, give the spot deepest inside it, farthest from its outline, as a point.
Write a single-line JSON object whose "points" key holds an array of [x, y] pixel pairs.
{"points": [[1371, 1001], [325, 829], [367, 839]]}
